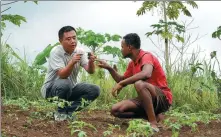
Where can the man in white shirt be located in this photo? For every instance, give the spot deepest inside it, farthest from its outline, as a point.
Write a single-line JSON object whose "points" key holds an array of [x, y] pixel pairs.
{"points": [[63, 67]]}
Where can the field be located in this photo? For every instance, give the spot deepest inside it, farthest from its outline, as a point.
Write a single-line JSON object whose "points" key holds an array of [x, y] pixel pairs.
{"points": [[32, 122]]}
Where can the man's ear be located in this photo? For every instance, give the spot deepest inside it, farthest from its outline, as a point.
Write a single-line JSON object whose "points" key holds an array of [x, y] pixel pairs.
{"points": [[60, 40]]}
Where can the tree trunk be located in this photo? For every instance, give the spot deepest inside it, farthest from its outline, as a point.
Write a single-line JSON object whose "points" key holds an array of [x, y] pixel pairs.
{"points": [[166, 53]]}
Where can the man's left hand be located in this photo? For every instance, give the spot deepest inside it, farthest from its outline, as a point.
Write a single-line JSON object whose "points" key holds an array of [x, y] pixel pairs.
{"points": [[116, 90], [91, 57]]}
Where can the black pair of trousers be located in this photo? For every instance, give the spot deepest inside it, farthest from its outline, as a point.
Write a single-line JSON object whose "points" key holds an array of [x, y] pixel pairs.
{"points": [[64, 89]]}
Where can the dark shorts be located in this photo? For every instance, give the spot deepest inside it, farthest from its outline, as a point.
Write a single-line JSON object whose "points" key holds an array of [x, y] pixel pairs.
{"points": [[160, 103]]}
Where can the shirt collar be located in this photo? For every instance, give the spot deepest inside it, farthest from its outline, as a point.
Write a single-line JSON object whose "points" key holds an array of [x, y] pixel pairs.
{"points": [[140, 55]]}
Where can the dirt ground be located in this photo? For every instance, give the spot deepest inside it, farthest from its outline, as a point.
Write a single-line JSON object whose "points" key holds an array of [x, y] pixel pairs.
{"points": [[20, 123]]}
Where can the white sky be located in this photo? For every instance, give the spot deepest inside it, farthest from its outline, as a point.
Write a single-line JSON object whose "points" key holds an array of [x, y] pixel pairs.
{"points": [[114, 17]]}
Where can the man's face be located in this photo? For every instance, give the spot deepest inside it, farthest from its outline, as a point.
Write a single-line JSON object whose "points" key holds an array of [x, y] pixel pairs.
{"points": [[69, 41], [125, 49]]}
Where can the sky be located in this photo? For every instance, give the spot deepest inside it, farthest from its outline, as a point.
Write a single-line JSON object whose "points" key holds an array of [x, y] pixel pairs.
{"points": [[115, 17]]}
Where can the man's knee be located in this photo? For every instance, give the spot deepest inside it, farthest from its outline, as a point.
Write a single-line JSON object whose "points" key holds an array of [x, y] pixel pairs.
{"points": [[64, 84], [61, 88], [115, 110], [139, 85], [95, 91]]}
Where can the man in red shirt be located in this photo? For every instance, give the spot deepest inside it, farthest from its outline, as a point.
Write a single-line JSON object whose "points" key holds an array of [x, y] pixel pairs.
{"points": [[148, 77]]}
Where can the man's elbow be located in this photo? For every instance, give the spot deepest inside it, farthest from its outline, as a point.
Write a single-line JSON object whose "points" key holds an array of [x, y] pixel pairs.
{"points": [[120, 79], [91, 72], [146, 75], [149, 75], [62, 76]]}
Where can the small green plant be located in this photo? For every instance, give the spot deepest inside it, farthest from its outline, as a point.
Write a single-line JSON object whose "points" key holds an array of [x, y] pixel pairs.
{"points": [[59, 102], [81, 133], [139, 127], [22, 102], [179, 118], [107, 133], [77, 127], [110, 129]]}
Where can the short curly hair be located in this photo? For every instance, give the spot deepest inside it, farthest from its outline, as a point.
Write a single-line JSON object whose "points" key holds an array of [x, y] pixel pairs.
{"points": [[132, 39]]}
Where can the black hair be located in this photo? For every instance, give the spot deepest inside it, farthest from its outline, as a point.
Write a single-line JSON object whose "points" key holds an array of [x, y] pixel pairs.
{"points": [[132, 39], [65, 29]]}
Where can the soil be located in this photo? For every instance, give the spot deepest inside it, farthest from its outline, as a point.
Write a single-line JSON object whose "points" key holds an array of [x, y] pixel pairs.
{"points": [[31, 123]]}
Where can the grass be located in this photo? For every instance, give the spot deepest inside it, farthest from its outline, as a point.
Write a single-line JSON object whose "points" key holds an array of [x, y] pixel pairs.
{"points": [[18, 78]]}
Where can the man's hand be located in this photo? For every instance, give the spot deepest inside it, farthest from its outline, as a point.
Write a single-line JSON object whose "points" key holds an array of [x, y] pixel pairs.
{"points": [[116, 90], [91, 57], [103, 64], [76, 58]]}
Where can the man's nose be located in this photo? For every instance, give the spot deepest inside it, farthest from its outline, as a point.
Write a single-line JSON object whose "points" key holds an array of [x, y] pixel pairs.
{"points": [[72, 40]]}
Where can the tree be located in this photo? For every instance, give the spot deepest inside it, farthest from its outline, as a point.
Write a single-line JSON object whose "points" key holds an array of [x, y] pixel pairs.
{"points": [[96, 42], [217, 33], [170, 10], [15, 19]]}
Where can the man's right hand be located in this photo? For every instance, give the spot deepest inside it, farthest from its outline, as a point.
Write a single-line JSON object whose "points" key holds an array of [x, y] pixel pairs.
{"points": [[103, 64], [76, 58]]}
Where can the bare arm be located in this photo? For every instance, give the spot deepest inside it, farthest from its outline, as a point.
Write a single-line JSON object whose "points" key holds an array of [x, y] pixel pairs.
{"points": [[144, 74], [66, 71], [90, 68], [116, 76]]}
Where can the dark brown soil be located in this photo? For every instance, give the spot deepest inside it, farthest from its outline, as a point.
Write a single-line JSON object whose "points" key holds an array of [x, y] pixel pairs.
{"points": [[21, 123]]}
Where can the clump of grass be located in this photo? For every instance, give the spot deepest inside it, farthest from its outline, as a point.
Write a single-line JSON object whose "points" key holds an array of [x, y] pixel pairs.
{"points": [[18, 78]]}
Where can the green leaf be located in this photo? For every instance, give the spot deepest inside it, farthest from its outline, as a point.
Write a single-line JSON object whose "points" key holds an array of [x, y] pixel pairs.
{"points": [[217, 33], [186, 12], [40, 59], [115, 37], [149, 33], [82, 134], [174, 9], [107, 36], [36, 2], [213, 54], [172, 13], [15, 19], [14, 53], [180, 38], [95, 41], [112, 51], [192, 3], [147, 6], [158, 32], [3, 25], [167, 35]]}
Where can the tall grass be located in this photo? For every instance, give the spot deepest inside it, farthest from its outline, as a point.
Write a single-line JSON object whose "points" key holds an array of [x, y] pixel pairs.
{"points": [[17, 77], [198, 89]]}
